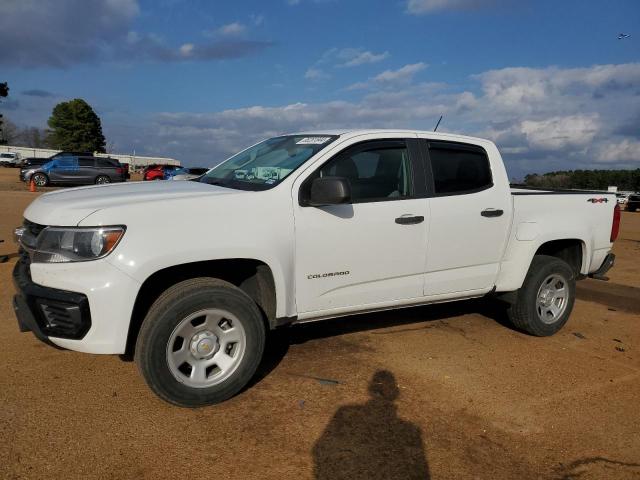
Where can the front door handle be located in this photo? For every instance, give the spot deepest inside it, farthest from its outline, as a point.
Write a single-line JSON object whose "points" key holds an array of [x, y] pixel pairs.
{"points": [[409, 219], [491, 212]]}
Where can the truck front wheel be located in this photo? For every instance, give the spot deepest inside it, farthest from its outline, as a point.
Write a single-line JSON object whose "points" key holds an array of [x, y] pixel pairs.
{"points": [[200, 343], [545, 300]]}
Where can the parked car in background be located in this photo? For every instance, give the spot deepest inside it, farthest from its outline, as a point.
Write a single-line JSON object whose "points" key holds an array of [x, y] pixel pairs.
{"points": [[153, 172], [77, 170], [633, 202], [9, 159], [188, 173], [159, 172], [31, 164], [622, 198]]}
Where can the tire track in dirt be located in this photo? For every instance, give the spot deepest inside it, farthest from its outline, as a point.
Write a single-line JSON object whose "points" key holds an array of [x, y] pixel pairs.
{"points": [[619, 297]]}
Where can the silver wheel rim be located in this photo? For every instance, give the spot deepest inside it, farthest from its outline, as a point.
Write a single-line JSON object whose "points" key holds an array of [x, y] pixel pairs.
{"points": [[102, 180], [206, 348], [551, 301], [39, 180]]}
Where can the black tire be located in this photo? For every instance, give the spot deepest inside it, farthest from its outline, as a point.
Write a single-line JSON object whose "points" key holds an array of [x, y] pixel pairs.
{"points": [[102, 180], [40, 179], [631, 209], [524, 311], [168, 311]]}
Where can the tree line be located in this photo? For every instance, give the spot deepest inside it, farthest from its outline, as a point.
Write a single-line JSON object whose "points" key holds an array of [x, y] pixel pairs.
{"points": [[586, 179], [72, 126]]}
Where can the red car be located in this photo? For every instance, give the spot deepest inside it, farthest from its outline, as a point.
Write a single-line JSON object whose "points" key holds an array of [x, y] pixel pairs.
{"points": [[158, 172]]}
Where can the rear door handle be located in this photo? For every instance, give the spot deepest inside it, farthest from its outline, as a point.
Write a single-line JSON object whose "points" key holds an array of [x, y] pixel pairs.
{"points": [[491, 212], [409, 219]]}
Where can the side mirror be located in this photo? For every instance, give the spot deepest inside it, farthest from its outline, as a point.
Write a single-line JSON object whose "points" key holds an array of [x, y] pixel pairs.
{"points": [[329, 191]]}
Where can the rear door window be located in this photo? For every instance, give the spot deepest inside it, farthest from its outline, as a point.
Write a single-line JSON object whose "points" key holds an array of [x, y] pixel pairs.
{"points": [[86, 162], [459, 168], [66, 162], [104, 163]]}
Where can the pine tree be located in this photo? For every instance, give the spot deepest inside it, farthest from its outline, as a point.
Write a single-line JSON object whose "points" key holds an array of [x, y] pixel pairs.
{"points": [[74, 126]]}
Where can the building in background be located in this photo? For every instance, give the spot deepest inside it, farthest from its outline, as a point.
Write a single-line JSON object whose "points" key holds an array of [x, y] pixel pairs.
{"points": [[135, 162]]}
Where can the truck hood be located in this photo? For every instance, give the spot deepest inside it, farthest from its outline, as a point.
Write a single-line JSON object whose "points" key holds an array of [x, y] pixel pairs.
{"points": [[68, 207]]}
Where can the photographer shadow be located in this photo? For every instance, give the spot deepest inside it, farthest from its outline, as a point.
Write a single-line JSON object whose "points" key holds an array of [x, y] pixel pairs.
{"points": [[370, 441]]}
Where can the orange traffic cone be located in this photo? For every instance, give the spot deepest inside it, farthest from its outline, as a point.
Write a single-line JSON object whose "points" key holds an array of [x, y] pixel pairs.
{"points": [[32, 186]]}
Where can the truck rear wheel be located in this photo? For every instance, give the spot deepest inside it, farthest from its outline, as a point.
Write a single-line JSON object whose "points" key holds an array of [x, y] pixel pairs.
{"points": [[200, 343], [545, 300]]}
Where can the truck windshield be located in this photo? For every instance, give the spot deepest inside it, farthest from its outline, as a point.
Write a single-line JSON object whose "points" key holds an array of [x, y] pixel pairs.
{"points": [[266, 164]]}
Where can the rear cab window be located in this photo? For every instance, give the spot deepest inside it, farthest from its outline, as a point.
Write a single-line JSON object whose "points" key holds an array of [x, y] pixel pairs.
{"points": [[457, 168]]}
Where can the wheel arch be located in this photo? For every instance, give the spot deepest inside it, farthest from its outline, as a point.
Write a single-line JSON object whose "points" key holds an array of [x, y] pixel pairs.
{"points": [[254, 277], [571, 248]]}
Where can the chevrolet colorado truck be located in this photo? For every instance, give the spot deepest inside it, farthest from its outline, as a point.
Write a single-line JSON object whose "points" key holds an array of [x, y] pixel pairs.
{"points": [[298, 228]]}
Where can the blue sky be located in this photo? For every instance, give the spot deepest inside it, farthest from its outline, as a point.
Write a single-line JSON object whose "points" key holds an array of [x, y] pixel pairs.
{"points": [[196, 80]]}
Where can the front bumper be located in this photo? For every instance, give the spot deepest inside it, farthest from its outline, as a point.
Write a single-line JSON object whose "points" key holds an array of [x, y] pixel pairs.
{"points": [[96, 295], [48, 312]]}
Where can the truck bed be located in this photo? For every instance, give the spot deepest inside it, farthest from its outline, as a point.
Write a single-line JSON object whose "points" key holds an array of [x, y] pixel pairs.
{"points": [[542, 215]]}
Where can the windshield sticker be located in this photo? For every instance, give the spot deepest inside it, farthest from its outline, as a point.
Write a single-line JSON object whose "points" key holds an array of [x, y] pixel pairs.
{"points": [[313, 140]]}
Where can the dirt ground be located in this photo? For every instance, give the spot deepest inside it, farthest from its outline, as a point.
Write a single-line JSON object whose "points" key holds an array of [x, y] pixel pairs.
{"points": [[440, 392]]}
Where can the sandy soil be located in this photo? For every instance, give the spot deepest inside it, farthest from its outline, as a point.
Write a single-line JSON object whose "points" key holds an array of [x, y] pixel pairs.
{"points": [[440, 392]]}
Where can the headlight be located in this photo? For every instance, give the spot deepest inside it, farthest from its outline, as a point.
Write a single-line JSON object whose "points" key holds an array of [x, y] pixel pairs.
{"points": [[60, 245]]}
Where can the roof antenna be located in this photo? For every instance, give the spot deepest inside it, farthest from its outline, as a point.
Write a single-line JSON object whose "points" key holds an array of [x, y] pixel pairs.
{"points": [[438, 124]]}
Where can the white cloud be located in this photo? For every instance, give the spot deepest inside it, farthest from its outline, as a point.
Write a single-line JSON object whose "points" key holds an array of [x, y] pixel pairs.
{"points": [[231, 29], [421, 7], [343, 58], [402, 75], [316, 74], [542, 119], [557, 133], [511, 88], [621, 152], [405, 73], [354, 57], [40, 33], [186, 50], [70, 32]]}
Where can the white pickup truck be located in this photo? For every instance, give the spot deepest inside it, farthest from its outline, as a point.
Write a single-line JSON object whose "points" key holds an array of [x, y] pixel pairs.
{"points": [[189, 276]]}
